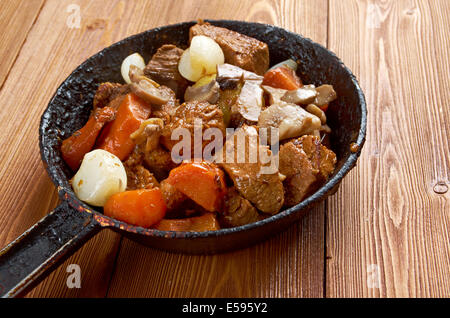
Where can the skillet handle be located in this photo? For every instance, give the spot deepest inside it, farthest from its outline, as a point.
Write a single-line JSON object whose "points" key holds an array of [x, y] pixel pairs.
{"points": [[33, 255]]}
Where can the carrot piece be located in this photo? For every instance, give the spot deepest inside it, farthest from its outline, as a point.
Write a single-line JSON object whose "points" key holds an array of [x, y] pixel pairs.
{"points": [[205, 222], [324, 107], [282, 77], [82, 141], [143, 207], [204, 183], [131, 113]]}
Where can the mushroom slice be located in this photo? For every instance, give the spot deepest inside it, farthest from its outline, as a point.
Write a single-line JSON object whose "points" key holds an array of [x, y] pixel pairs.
{"points": [[290, 119], [149, 132], [304, 95], [275, 94], [151, 94], [250, 100], [228, 76], [325, 95], [206, 93]]}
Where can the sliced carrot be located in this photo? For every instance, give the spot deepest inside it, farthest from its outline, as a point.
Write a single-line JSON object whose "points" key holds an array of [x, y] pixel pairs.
{"points": [[324, 107], [282, 77], [144, 207], [205, 222], [82, 141], [204, 183], [131, 113]]}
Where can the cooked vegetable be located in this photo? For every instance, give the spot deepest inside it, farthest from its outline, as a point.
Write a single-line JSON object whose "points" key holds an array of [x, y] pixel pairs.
{"points": [[229, 71], [204, 183], [143, 207], [315, 110], [250, 100], [150, 93], [201, 58], [323, 107], [187, 70], [287, 63], [274, 94], [136, 75], [82, 141], [206, 93], [303, 95], [101, 175], [205, 80], [227, 99], [131, 113], [205, 222], [205, 54], [133, 59], [290, 119], [149, 132], [282, 77], [325, 95]]}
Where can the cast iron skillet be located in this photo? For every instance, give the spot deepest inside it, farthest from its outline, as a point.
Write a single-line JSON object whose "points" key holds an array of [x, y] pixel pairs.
{"points": [[28, 259]]}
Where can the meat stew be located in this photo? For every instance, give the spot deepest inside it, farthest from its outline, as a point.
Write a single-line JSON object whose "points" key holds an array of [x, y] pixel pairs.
{"points": [[160, 100]]}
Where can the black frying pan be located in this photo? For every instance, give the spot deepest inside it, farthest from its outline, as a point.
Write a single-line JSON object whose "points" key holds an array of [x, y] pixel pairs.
{"points": [[28, 259]]}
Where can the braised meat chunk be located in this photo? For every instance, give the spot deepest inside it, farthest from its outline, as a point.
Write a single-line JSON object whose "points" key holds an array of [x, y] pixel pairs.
{"points": [[320, 156], [107, 92], [238, 49], [139, 177], [186, 115], [237, 210], [257, 182], [173, 198], [306, 163], [159, 162], [299, 172], [163, 68]]}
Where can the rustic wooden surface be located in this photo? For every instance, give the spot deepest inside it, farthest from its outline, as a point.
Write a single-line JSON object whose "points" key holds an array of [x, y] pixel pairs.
{"points": [[385, 233]]}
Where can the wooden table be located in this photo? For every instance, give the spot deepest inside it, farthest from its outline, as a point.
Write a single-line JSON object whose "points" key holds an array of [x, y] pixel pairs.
{"points": [[385, 233]]}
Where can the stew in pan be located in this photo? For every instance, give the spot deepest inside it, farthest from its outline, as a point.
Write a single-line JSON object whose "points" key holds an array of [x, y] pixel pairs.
{"points": [[203, 137]]}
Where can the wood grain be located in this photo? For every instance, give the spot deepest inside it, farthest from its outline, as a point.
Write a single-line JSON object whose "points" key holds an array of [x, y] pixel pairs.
{"points": [[26, 193], [16, 19], [391, 214], [103, 23], [386, 217], [289, 265]]}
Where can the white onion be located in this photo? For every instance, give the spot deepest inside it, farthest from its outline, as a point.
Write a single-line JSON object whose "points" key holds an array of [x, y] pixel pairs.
{"points": [[206, 54], [186, 70], [101, 175], [133, 59]]}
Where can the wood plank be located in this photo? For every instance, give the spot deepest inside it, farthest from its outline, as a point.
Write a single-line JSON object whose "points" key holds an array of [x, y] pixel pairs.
{"points": [[26, 193], [289, 265], [17, 16], [392, 212], [295, 257], [283, 266]]}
